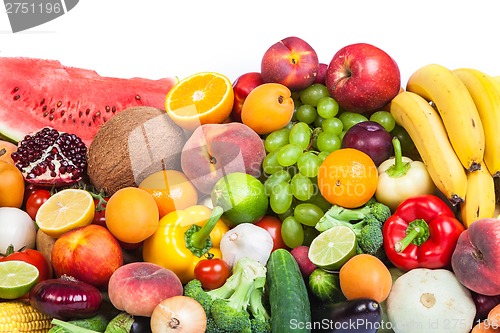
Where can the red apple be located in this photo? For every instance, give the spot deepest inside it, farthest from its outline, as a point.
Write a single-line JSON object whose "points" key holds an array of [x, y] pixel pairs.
{"points": [[321, 77], [476, 259], [291, 62], [89, 253], [242, 87], [362, 78], [214, 150]]}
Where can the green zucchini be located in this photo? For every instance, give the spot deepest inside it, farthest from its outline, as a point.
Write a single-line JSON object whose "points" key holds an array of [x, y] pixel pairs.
{"points": [[288, 297]]}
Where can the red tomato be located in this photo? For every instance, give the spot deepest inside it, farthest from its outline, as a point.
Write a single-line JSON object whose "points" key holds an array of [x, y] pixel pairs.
{"points": [[29, 189], [273, 226], [212, 273], [35, 258], [35, 200]]}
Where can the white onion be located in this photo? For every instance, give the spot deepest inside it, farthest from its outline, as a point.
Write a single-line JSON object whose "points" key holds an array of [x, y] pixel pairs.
{"points": [[179, 314], [17, 229]]}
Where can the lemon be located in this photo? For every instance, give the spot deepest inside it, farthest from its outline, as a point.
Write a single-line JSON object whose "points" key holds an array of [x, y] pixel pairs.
{"points": [[333, 247], [65, 210], [242, 197], [16, 278]]}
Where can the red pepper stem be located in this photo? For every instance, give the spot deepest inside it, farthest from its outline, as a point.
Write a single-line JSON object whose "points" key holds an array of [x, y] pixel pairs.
{"points": [[200, 237], [399, 168], [416, 233]]}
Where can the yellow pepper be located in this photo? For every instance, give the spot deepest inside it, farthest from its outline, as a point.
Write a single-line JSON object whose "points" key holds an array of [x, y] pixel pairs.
{"points": [[184, 237]]}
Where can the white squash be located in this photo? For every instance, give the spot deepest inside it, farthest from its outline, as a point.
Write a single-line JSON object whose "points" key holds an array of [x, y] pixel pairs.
{"points": [[430, 300], [16, 228]]}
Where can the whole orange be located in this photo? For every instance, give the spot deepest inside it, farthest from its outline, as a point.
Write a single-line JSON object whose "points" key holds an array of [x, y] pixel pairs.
{"points": [[131, 215], [11, 185], [171, 190], [267, 108], [347, 177], [365, 276]]}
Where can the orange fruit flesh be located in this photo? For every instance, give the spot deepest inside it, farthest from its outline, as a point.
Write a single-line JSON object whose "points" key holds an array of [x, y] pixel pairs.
{"points": [[202, 98]]}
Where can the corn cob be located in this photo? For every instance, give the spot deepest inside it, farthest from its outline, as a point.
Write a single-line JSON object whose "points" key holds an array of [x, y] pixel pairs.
{"points": [[21, 317]]}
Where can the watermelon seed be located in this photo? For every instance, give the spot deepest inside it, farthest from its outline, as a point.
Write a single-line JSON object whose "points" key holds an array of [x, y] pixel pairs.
{"points": [[42, 101], [137, 97], [108, 108], [59, 104], [16, 97]]}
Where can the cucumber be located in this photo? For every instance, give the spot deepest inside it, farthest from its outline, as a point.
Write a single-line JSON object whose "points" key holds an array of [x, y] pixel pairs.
{"points": [[288, 297]]}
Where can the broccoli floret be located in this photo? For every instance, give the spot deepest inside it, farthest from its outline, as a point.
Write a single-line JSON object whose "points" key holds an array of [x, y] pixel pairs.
{"points": [[261, 326], [195, 290], [261, 321], [230, 318], [373, 212], [233, 306], [366, 222], [213, 328], [380, 211], [370, 239], [338, 215]]}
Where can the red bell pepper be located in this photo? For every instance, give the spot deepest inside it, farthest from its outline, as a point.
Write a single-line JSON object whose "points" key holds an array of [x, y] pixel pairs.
{"points": [[422, 232]]}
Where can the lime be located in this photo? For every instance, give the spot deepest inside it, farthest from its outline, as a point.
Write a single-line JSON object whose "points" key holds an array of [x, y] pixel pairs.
{"points": [[16, 278], [333, 247], [242, 196]]}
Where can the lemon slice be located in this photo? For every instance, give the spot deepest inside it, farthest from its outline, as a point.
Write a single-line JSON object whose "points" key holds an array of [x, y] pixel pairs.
{"points": [[65, 210], [333, 247], [16, 278]]}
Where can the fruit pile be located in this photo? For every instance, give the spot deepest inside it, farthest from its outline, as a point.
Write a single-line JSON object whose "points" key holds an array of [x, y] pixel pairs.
{"points": [[305, 197]]}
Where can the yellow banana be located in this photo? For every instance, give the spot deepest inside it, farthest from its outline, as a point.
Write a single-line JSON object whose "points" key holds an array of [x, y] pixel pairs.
{"points": [[426, 129], [439, 85], [480, 197], [485, 92]]}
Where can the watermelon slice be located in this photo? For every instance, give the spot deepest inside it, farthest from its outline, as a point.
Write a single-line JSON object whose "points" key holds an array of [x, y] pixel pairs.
{"points": [[35, 93]]}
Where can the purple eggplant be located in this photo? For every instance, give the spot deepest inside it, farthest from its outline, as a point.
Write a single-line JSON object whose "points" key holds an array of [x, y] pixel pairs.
{"points": [[361, 315]]}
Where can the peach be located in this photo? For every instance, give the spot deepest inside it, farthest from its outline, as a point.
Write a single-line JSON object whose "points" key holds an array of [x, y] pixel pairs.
{"points": [[291, 62], [214, 150], [138, 287]]}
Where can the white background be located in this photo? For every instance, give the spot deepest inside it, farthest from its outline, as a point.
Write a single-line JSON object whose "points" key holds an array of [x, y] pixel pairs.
{"points": [[160, 38]]}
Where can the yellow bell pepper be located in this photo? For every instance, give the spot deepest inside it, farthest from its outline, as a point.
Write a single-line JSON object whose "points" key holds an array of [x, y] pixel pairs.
{"points": [[184, 237]]}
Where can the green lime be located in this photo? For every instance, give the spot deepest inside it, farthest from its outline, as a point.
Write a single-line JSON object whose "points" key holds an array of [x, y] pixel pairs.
{"points": [[333, 247], [242, 196], [16, 278]]}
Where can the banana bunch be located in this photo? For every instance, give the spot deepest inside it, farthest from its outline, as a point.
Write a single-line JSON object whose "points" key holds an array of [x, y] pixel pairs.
{"points": [[453, 118]]}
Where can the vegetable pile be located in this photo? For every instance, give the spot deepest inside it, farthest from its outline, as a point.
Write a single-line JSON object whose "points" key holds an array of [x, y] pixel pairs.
{"points": [[287, 203]]}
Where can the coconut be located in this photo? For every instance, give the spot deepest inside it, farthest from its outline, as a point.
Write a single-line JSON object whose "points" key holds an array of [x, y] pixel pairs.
{"points": [[132, 145]]}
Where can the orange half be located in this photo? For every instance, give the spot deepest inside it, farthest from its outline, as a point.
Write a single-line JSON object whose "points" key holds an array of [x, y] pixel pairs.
{"points": [[202, 98]]}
